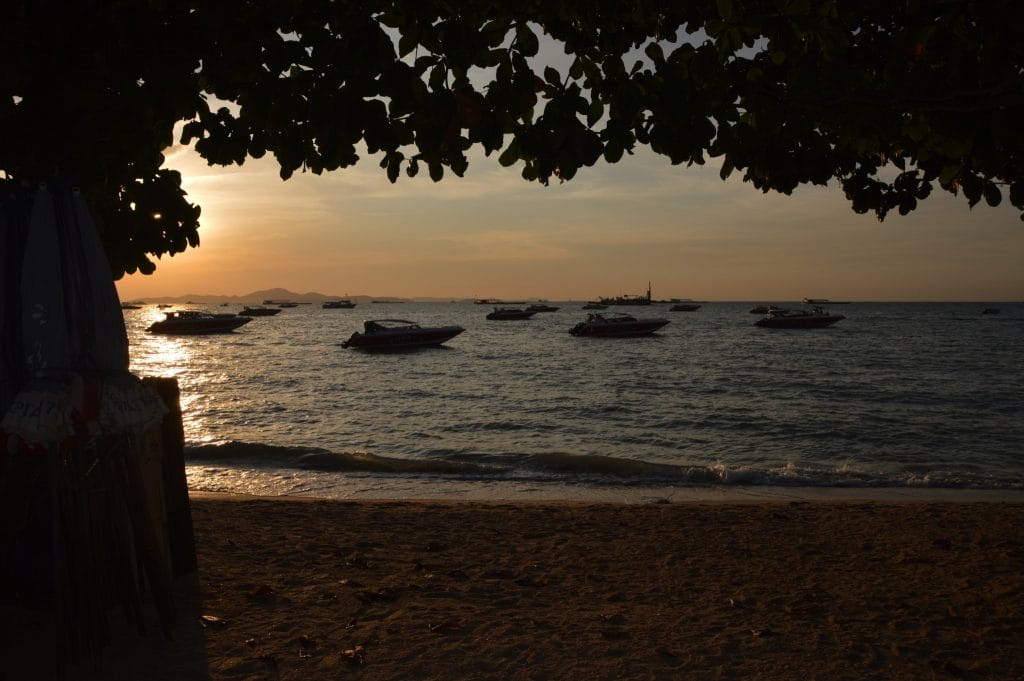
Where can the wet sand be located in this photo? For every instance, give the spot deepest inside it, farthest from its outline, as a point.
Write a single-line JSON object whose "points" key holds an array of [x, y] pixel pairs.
{"points": [[310, 589]]}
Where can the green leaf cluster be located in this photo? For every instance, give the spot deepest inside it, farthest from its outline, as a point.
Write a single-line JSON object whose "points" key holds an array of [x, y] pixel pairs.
{"points": [[781, 92]]}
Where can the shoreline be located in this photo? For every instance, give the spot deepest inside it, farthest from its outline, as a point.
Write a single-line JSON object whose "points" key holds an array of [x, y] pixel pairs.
{"points": [[508, 492]]}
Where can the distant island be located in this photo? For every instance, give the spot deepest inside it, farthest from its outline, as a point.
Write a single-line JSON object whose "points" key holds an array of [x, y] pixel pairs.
{"points": [[280, 294]]}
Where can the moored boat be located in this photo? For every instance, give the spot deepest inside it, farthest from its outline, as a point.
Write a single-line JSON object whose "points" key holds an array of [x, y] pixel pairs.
{"points": [[504, 313], [593, 305], [542, 307], [193, 322], [617, 325], [258, 311], [815, 318], [338, 304], [823, 301], [399, 334], [627, 299], [684, 307]]}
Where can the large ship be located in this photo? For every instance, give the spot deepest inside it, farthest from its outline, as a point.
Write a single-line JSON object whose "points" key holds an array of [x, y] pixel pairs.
{"points": [[629, 299]]}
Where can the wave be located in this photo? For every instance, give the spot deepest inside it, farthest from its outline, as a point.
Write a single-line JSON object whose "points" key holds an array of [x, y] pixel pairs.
{"points": [[561, 467]]}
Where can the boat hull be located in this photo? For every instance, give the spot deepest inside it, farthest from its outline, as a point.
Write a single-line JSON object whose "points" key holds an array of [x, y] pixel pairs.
{"points": [[798, 322], [504, 315], [402, 340], [618, 330], [195, 328]]}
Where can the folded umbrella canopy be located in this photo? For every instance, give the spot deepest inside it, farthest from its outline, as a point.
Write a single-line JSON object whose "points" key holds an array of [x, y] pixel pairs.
{"points": [[72, 330], [74, 400]]}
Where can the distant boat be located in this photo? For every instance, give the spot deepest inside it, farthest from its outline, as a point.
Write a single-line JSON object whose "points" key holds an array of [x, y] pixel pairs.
{"points": [[503, 313], [616, 325], [287, 304], [130, 306], [684, 307], [594, 306], [990, 310], [798, 319], [338, 304], [823, 301], [258, 311], [762, 309], [629, 299], [541, 307]]}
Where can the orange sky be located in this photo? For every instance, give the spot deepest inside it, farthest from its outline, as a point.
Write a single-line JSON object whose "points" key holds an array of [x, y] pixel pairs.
{"points": [[608, 231]]}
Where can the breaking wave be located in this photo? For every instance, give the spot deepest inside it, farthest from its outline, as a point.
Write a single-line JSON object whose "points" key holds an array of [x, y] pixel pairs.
{"points": [[560, 467]]}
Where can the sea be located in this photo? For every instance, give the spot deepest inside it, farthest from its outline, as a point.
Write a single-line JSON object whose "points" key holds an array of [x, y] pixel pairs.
{"points": [[905, 398]]}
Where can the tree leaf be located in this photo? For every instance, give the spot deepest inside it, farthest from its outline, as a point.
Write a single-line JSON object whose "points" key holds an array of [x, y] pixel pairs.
{"points": [[526, 41]]}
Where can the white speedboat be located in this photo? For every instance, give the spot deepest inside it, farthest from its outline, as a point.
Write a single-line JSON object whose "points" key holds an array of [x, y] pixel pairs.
{"points": [[616, 325], [815, 318], [195, 322], [399, 334]]}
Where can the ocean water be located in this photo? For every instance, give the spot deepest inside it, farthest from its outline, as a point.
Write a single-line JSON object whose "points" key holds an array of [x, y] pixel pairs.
{"points": [[903, 396]]}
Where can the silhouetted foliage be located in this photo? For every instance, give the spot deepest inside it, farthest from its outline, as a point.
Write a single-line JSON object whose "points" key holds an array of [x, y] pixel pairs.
{"points": [[888, 98]]}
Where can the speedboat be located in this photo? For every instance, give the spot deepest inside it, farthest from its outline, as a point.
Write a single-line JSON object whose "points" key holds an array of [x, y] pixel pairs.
{"points": [[684, 307], [815, 318], [616, 325], [338, 304], [196, 322], [258, 311], [510, 313], [399, 334], [541, 307]]}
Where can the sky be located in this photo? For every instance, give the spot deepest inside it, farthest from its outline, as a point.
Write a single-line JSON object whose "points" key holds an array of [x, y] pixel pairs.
{"points": [[610, 230]]}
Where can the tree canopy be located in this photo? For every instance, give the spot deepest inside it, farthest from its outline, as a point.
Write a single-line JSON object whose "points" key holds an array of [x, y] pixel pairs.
{"points": [[887, 98]]}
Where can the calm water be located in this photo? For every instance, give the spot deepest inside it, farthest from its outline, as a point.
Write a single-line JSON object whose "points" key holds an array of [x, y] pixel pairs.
{"points": [[897, 395]]}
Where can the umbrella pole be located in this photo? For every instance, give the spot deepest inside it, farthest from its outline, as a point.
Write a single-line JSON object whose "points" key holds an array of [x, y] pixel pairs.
{"points": [[59, 586]]}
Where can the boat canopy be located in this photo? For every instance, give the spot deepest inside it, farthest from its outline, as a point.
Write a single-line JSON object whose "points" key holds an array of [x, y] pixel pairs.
{"points": [[381, 324]]}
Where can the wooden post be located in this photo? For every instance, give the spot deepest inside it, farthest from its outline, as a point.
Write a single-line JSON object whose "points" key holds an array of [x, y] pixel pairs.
{"points": [[179, 513]]}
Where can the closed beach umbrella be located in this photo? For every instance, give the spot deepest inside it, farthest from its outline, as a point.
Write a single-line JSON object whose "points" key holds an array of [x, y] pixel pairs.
{"points": [[41, 410], [74, 361]]}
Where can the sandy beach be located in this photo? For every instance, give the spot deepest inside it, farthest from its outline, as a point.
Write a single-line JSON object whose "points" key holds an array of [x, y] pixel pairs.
{"points": [[309, 589]]}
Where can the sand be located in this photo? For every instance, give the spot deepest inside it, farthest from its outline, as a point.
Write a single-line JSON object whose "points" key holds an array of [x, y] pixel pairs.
{"points": [[307, 589]]}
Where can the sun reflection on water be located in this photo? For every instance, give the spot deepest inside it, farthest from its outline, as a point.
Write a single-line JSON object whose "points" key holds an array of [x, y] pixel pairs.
{"points": [[175, 357]]}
